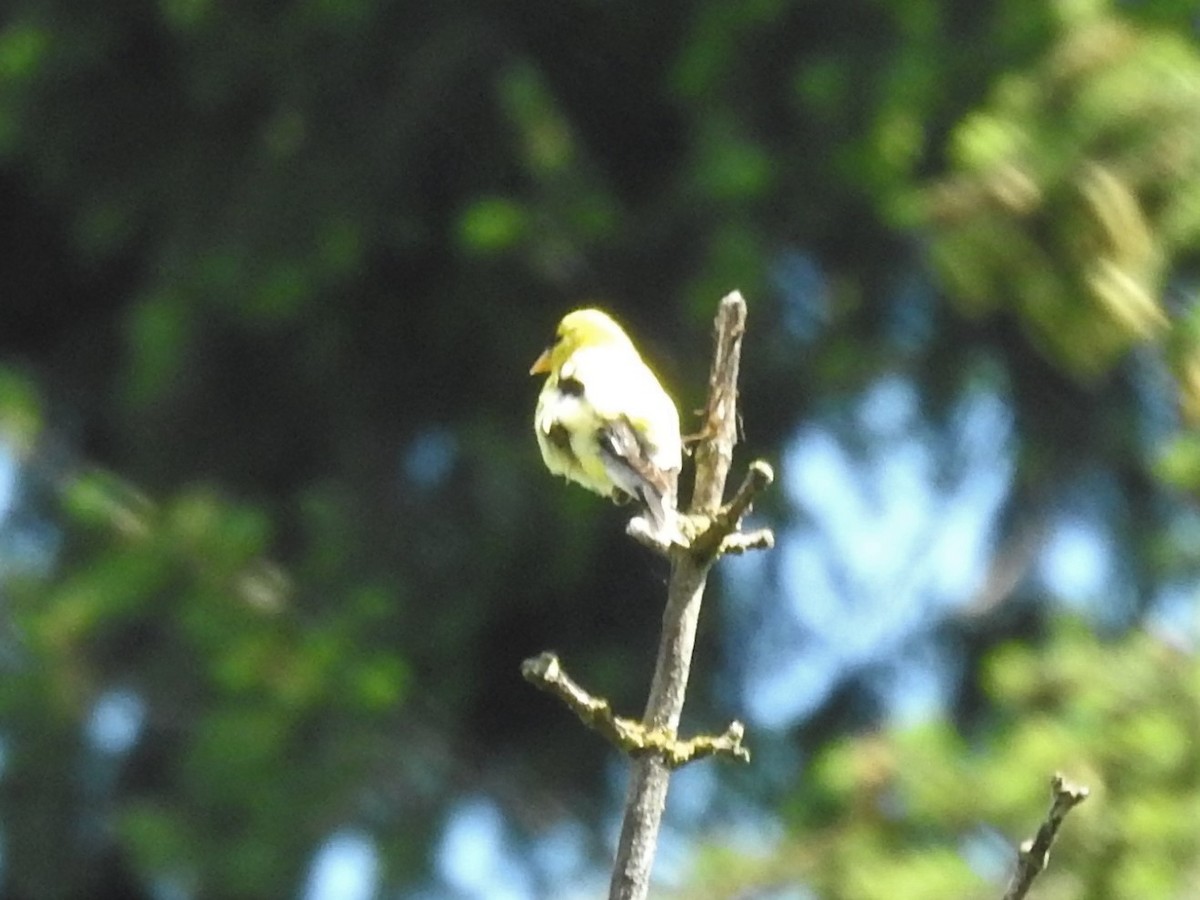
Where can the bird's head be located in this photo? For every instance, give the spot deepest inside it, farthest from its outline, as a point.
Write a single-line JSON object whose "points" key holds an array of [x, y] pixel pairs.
{"points": [[579, 329]]}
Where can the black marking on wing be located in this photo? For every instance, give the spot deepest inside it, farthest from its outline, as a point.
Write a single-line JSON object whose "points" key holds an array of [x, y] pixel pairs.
{"points": [[570, 387], [626, 456], [560, 438]]}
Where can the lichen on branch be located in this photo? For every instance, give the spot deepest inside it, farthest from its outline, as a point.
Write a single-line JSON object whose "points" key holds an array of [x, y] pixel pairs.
{"points": [[545, 672]]}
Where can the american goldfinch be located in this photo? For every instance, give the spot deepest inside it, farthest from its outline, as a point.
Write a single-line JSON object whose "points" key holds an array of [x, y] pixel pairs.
{"points": [[603, 420]]}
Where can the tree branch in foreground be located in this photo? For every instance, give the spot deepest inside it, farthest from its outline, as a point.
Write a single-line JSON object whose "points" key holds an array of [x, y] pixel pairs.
{"points": [[545, 672], [721, 535], [713, 455], [711, 536], [1035, 853], [708, 529]]}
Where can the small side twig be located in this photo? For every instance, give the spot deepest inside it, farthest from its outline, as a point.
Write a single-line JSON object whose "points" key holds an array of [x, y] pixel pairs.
{"points": [[706, 536], [680, 753], [545, 672], [744, 541], [1035, 853], [721, 533]]}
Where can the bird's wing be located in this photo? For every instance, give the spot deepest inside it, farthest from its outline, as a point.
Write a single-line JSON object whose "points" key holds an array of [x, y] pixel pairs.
{"points": [[638, 433], [620, 385], [630, 465]]}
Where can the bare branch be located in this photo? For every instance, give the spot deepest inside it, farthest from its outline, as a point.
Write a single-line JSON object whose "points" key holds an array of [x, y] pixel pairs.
{"points": [[706, 531], [680, 753], [713, 457], [545, 672], [720, 528], [641, 530], [714, 450], [628, 735], [1035, 853], [743, 542]]}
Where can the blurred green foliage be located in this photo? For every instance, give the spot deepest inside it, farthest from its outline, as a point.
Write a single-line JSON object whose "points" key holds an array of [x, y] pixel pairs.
{"points": [[1076, 189], [929, 812], [272, 276]]}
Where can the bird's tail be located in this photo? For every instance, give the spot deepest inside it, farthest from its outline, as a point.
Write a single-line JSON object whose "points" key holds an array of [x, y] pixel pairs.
{"points": [[627, 460], [662, 512]]}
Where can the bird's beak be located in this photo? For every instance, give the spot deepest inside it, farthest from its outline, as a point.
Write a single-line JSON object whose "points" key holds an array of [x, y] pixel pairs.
{"points": [[542, 364]]}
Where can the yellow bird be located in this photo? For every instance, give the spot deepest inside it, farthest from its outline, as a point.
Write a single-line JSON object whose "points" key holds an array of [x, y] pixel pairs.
{"points": [[603, 420]]}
